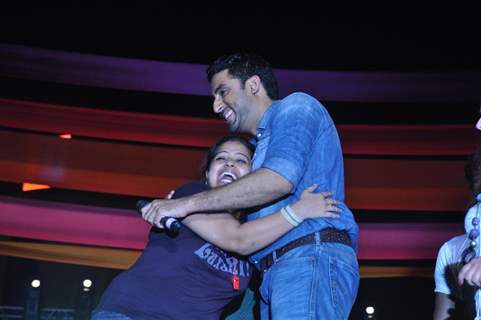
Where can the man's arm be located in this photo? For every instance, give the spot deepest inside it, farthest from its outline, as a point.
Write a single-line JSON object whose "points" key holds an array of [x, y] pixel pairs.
{"points": [[227, 233], [259, 187]]}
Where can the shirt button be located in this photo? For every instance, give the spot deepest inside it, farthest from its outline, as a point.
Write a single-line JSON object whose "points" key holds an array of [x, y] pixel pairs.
{"points": [[259, 135]]}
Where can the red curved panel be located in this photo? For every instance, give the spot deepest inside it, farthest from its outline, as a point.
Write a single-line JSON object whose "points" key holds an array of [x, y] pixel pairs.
{"points": [[417, 140]]}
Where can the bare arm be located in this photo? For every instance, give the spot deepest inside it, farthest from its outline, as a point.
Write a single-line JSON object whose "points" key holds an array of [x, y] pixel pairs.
{"points": [[259, 187], [443, 307], [227, 233]]}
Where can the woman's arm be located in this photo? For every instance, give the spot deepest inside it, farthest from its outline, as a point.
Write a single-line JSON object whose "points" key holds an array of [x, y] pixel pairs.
{"points": [[443, 307], [224, 231]]}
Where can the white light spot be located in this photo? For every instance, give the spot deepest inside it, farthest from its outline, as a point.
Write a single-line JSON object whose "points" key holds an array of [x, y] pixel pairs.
{"points": [[87, 283], [370, 310], [36, 283]]}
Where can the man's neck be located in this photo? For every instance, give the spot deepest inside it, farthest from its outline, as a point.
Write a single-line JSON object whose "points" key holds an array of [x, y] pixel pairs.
{"points": [[262, 106]]}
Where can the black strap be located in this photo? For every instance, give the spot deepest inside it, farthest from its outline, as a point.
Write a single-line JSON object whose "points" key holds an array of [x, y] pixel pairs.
{"points": [[325, 235]]}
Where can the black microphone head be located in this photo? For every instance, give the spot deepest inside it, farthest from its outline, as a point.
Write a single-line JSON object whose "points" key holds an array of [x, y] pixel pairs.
{"points": [[175, 226], [141, 203]]}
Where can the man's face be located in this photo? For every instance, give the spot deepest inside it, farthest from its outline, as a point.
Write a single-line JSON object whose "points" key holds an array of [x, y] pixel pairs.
{"points": [[233, 103]]}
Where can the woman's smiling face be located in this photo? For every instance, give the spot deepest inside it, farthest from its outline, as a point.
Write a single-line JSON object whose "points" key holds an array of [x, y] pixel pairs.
{"points": [[232, 161]]}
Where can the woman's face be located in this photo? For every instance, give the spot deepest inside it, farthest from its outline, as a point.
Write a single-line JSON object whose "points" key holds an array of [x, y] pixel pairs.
{"points": [[232, 161]]}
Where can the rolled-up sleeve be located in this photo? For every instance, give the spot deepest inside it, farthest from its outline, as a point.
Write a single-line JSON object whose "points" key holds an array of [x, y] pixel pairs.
{"points": [[293, 130], [440, 281]]}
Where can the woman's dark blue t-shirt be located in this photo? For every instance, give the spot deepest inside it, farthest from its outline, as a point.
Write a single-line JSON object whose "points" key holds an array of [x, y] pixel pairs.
{"points": [[182, 277]]}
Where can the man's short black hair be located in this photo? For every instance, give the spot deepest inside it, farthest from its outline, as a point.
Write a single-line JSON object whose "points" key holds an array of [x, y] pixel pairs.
{"points": [[242, 66]]}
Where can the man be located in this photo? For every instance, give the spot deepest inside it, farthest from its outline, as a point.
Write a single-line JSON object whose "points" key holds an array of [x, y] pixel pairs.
{"points": [[471, 272], [459, 301], [312, 271]]}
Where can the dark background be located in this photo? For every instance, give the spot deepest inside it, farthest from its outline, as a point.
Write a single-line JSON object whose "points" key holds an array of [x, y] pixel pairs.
{"points": [[340, 37], [343, 36]]}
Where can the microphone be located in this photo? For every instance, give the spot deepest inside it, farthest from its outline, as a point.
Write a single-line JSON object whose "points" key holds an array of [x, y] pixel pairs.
{"points": [[168, 223]]}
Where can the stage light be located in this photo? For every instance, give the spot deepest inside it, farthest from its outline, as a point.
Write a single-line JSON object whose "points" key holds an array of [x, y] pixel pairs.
{"points": [[35, 283], [66, 136], [87, 283], [370, 312], [84, 300], [32, 301], [33, 186]]}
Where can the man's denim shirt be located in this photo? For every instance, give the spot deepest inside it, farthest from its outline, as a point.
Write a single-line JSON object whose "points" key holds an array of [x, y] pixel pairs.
{"points": [[297, 138]]}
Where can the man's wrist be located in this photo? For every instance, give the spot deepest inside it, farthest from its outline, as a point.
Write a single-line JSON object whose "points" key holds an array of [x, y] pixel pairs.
{"points": [[190, 204]]}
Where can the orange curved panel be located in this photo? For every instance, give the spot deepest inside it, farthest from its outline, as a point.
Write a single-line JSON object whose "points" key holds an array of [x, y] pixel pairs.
{"points": [[93, 165], [404, 184], [152, 170], [114, 258], [117, 258]]}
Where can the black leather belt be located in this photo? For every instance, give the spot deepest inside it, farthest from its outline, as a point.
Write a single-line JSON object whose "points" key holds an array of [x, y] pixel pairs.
{"points": [[325, 235]]}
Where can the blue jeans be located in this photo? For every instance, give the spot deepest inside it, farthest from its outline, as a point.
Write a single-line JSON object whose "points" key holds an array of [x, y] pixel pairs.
{"points": [[315, 281], [108, 315]]}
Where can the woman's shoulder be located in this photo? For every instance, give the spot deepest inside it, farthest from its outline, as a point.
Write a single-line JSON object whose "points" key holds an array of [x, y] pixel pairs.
{"points": [[189, 188]]}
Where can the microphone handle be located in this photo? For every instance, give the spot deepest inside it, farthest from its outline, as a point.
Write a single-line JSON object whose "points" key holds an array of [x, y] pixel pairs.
{"points": [[170, 223]]}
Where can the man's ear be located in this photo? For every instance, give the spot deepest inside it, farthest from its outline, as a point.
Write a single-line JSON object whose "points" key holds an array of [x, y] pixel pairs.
{"points": [[253, 84]]}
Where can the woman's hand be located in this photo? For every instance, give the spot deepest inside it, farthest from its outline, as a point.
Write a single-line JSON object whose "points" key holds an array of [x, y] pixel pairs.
{"points": [[316, 205]]}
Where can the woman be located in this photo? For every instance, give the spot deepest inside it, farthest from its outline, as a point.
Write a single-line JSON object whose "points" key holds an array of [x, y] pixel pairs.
{"points": [[185, 277]]}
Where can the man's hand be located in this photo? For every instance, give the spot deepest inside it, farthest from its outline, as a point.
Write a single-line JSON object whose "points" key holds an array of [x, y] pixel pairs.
{"points": [[154, 211], [471, 273]]}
